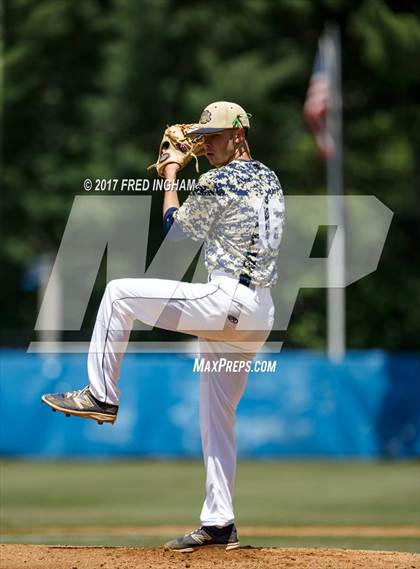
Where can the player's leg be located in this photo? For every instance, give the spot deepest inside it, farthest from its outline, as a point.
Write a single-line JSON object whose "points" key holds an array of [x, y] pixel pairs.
{"points": [[167, 304], [220, 392]]}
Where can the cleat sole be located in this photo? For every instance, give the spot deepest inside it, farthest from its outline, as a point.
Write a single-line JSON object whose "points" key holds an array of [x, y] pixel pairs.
{"points": [[229, 547], [99, 417]]}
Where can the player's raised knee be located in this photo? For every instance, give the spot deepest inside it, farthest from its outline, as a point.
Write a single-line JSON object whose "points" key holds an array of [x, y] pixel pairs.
{"points": [[114, 287], [118, 288]]}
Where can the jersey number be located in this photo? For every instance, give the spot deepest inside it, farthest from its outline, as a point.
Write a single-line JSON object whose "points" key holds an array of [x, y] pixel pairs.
{"points": [[270, 221]]}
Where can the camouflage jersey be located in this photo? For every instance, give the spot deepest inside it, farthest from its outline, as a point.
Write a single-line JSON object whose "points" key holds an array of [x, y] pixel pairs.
{"points": [[238, 210]]}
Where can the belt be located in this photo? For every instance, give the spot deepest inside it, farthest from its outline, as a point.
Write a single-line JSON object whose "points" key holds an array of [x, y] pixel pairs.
{"points": [[246, 281], [243, 279]]}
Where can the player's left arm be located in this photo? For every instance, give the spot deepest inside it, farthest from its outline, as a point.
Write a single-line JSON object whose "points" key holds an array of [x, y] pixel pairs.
{"points": [[171, 205], [170, 198]]}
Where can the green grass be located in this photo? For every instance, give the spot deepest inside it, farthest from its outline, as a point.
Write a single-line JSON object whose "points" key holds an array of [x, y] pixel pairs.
{"points": [[164, 493]]}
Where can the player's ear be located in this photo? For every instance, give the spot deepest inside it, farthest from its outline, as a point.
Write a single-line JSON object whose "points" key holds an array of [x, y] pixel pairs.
{"points": [[239, 135]]}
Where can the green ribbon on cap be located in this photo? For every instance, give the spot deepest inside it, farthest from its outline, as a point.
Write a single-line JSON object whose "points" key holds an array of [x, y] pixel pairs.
{"points": [[236, 123]]}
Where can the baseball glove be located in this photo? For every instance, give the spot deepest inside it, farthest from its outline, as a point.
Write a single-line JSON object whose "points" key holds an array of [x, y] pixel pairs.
{"points": [[177, 148]]}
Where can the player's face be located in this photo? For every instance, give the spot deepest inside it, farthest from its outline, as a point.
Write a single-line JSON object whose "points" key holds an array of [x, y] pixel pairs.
{"points": [[220, 147]]}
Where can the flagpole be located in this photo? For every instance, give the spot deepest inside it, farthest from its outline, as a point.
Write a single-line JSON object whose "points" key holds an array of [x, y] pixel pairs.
{"points": [[336, 323]]}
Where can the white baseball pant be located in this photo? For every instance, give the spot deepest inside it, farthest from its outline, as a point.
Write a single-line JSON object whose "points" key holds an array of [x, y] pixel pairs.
{"points": [[232, 322]]}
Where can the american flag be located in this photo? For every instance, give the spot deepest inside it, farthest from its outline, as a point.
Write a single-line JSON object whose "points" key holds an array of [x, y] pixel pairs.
{"points": [[316, 106]]}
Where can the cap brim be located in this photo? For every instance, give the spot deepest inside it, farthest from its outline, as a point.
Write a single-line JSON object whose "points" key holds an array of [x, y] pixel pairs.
{"points": [[203, 130]]}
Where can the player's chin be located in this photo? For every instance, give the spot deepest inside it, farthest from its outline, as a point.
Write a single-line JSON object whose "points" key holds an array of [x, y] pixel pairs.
{"points": [[213, 160]]}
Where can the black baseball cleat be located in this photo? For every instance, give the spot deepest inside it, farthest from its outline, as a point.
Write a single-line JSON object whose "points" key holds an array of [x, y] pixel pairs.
{"points": [[81, 403], [206, 536]]}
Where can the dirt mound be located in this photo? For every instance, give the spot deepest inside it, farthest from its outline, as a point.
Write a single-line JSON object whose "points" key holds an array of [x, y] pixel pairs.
{"points": [[66, 557]]}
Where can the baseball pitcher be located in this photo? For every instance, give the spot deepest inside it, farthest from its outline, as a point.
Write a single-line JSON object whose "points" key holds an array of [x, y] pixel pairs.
{"points": [[237, 210]]}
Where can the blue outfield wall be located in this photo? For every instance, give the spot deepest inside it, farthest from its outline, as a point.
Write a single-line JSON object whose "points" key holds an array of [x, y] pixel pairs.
{"points": [[365, 407]]}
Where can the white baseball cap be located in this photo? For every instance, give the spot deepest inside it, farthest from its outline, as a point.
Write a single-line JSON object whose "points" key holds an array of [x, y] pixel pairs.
{"points": [[219, 116]]}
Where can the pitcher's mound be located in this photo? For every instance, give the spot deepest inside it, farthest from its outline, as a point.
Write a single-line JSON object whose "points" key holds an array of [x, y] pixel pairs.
{"points": [[68, 557]]}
